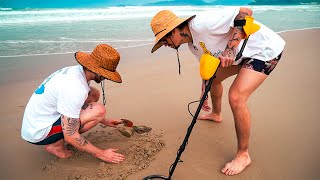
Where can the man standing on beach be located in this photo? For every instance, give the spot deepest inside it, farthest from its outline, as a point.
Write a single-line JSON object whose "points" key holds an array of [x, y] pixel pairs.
{"points": [[216, 32], [64, 106]]}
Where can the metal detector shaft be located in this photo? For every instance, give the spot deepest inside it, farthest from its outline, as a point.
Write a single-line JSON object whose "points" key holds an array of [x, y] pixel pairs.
{"points": [[195, 117], [194, 120]]}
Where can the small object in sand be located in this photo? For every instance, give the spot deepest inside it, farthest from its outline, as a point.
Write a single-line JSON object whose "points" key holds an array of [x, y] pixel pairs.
{"points": [[127, 122], [141, 129], [125, 130], [103, 126]]}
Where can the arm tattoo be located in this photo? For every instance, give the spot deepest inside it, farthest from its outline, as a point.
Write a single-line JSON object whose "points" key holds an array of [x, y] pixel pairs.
{"points": [[72, 126], [237, 34], [235, 37], [230, 49], [82, 141]]}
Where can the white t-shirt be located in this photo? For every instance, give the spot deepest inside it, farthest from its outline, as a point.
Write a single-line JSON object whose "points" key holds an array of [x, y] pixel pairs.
{"points": [[213, 29], [63, 92]]}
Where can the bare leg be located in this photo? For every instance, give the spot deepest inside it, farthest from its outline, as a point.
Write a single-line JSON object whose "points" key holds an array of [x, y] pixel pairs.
{"points": [[216, 97], [91, 114], [58, 149], [243, 86], [216, 92], [93, 95]]}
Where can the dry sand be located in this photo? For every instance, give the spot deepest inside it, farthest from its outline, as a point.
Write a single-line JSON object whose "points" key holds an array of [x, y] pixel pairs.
{"points": [[284, 141]]}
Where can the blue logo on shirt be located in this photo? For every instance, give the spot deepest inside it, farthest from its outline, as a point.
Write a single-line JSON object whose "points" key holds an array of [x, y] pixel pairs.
{"points": [[42, 87]]}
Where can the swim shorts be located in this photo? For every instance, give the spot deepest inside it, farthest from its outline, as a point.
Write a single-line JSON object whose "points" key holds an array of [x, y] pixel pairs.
{"points": [[54, 135], [265, 67]]}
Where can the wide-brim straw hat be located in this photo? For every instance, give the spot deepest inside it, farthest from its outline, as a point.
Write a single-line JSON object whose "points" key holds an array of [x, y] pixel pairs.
{"points": [[103, 61], [163, 23]]}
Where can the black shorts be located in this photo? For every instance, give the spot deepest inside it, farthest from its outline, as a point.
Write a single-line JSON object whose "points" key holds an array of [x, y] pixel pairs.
{"points": [[54, 135], [265, 67]]}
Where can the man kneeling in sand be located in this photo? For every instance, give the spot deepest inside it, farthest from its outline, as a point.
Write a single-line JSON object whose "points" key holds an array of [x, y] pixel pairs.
{"points": [[64, 106]]}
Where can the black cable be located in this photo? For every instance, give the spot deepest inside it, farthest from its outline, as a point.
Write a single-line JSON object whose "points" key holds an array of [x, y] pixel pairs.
{"points": [[103, 94], [205, 82], [178, 61], [190, 104]]}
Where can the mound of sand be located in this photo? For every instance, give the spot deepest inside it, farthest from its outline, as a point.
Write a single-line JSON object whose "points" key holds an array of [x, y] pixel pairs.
{"points": [[139, 151]]}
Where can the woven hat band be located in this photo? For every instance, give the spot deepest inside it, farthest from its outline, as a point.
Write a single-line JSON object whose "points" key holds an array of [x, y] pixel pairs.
{"points": [[159, 32], [107, 69]]}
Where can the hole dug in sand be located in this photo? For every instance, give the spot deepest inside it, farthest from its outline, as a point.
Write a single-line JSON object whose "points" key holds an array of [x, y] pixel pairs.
{"points": [[139, 151]]}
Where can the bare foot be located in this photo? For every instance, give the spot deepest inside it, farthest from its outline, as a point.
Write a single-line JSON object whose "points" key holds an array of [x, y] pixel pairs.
{"points": [[58, 149], [211, 117], [237, 165]]}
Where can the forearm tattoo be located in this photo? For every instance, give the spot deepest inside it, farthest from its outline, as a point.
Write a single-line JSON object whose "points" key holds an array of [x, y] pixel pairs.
{"points": [[82, 141], [236, 36], [72, 125], [230, 49]]}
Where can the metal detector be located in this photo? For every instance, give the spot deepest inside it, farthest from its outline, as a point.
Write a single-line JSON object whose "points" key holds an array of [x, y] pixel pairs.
{"points": [[185, 141], [208, 68]]}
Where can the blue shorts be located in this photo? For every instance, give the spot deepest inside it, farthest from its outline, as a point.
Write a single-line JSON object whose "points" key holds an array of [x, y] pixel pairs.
{"points": [[54, 135], [265, 67]]}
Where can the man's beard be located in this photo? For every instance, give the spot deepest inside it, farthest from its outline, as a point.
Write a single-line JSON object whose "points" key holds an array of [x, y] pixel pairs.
{"points": [[97, 79]]}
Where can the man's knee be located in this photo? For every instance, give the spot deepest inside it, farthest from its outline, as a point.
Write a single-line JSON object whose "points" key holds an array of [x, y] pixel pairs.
{"points": [[235, 98], [94, 111], [99, 110]]}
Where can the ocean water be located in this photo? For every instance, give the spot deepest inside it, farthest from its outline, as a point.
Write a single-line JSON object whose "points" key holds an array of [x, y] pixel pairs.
{"points": [[28, 32]]}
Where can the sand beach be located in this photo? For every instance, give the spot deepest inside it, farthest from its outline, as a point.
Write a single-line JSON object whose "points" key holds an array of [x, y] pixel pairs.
{"points": [[284, 142]]}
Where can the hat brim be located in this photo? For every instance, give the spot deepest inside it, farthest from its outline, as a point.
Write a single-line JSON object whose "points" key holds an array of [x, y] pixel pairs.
{"points": [[85, 60], [159, 43]]}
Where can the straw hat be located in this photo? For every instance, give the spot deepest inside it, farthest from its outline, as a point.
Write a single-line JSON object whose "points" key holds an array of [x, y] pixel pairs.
{"points": [[164, 22], [103, 61]]}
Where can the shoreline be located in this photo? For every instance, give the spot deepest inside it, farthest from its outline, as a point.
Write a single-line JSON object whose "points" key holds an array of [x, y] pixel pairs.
{"points": [[279, 32]]}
